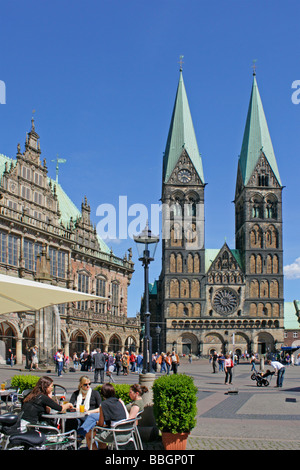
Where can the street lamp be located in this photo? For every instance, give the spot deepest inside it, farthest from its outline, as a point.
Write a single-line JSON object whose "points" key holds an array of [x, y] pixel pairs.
{"points": [[157, 331], [146, 245]]}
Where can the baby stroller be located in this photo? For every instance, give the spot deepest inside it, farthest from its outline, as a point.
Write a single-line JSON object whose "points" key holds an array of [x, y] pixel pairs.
{"points": [[261, 378]]}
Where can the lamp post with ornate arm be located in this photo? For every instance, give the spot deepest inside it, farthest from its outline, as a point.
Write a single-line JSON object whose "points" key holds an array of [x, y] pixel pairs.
{"points": [[146, 244]]}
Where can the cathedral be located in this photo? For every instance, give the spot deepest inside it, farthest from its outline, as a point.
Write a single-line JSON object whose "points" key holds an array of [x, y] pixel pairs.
{"points": [[224, 299]]}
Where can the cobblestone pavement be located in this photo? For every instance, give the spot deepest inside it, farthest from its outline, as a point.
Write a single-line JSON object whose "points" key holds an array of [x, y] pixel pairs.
{"points": [[237, 417]]}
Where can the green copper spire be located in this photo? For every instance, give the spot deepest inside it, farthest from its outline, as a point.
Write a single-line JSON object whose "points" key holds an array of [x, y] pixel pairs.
{"points": [[181, 135], [256, 138]]}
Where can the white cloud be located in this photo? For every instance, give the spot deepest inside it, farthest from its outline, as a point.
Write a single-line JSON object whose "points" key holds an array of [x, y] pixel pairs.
{"points": [[292, 271]]}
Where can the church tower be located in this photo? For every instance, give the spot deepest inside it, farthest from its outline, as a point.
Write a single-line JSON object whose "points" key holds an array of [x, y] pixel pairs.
{"points": [[258, 221], [182, 295]]}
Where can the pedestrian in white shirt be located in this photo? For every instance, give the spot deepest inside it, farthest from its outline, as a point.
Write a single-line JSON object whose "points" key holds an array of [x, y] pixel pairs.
{"points": [[279, 370]]}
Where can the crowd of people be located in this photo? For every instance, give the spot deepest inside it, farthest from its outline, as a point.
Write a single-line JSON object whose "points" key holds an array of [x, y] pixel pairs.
{"points": [[105, 364]]}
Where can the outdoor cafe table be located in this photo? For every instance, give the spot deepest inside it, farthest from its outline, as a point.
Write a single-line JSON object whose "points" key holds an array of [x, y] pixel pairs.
{"points": [[5, 393], [64, 416]]}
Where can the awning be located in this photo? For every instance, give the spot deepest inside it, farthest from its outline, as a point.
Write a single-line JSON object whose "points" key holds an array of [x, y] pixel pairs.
{"points": [[17, 295]]}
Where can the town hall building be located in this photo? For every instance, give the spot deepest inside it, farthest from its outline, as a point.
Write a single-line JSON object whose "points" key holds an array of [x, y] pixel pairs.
{"points": [[45, 237]]}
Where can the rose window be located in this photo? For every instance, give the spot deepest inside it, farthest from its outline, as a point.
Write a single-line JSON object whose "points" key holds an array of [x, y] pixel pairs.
{"points": [[225, 301]]}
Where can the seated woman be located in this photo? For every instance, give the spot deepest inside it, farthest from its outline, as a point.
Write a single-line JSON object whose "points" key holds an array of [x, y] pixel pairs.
{"points": [[84, 395], [112, 410], [38, 402], [137, 405]]}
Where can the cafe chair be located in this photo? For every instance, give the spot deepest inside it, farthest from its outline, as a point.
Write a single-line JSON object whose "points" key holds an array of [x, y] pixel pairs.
{"points": [[59, 391], [117, 436], [136, 431], [56, 440], [15, 402]]}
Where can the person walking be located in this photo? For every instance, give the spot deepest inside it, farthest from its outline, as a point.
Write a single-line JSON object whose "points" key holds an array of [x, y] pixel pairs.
{"points": [[10, 358], [59, 361], [252, 362], [228, 366], [175, 362], [34, 358], [221, 359], [75, 360], [118, 362], [132, 361], [162, 362], [99, 361], [139, 363], [279, 371], [110, 362], [214, 362], [84, 361], [125, 363], [168, 362]]}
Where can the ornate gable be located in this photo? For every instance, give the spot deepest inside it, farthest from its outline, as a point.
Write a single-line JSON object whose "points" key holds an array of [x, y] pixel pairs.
{"points": [[263, 175], [86, 233], [184, 172], [25, 187], [226, 281], [225, 269]]}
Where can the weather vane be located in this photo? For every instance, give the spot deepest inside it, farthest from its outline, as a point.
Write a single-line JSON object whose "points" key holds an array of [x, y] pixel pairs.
{"points": [[58, 160], [32, 120], [181, 62], [254, 66]]}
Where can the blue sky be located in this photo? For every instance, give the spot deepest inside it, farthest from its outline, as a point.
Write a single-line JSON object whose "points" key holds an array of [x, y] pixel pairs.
{"points": [[102, 77]]}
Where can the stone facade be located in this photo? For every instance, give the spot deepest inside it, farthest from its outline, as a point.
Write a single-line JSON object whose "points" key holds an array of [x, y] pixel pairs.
{"points": [[45, 237], [223, 299]]}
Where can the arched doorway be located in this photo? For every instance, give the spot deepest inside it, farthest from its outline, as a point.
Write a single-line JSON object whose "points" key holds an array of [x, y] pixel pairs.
{"points": [[114, 344], [189, 344], [77, 343], [97, 342], [265, 343], [8, 338], [28, 341], [213, 342], [130, 345]]}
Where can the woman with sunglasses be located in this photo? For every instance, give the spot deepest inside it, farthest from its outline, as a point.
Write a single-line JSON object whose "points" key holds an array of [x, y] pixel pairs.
{"points": [[84, 395]]}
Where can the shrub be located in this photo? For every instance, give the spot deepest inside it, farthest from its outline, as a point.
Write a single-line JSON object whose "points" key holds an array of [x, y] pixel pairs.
{"points": [[24, 382], [122, 391], [174, 398]]}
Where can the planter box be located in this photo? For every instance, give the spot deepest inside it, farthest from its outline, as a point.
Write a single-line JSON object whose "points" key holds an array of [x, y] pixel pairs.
{"points": [[174, 441]]}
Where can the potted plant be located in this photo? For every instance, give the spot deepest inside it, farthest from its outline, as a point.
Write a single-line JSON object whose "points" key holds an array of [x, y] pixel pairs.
{"points": [[175, 410]]}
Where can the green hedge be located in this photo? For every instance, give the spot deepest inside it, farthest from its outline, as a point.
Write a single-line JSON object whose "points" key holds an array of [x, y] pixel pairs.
{"points": [[24, 382], [174, 398], [122, 391]]}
